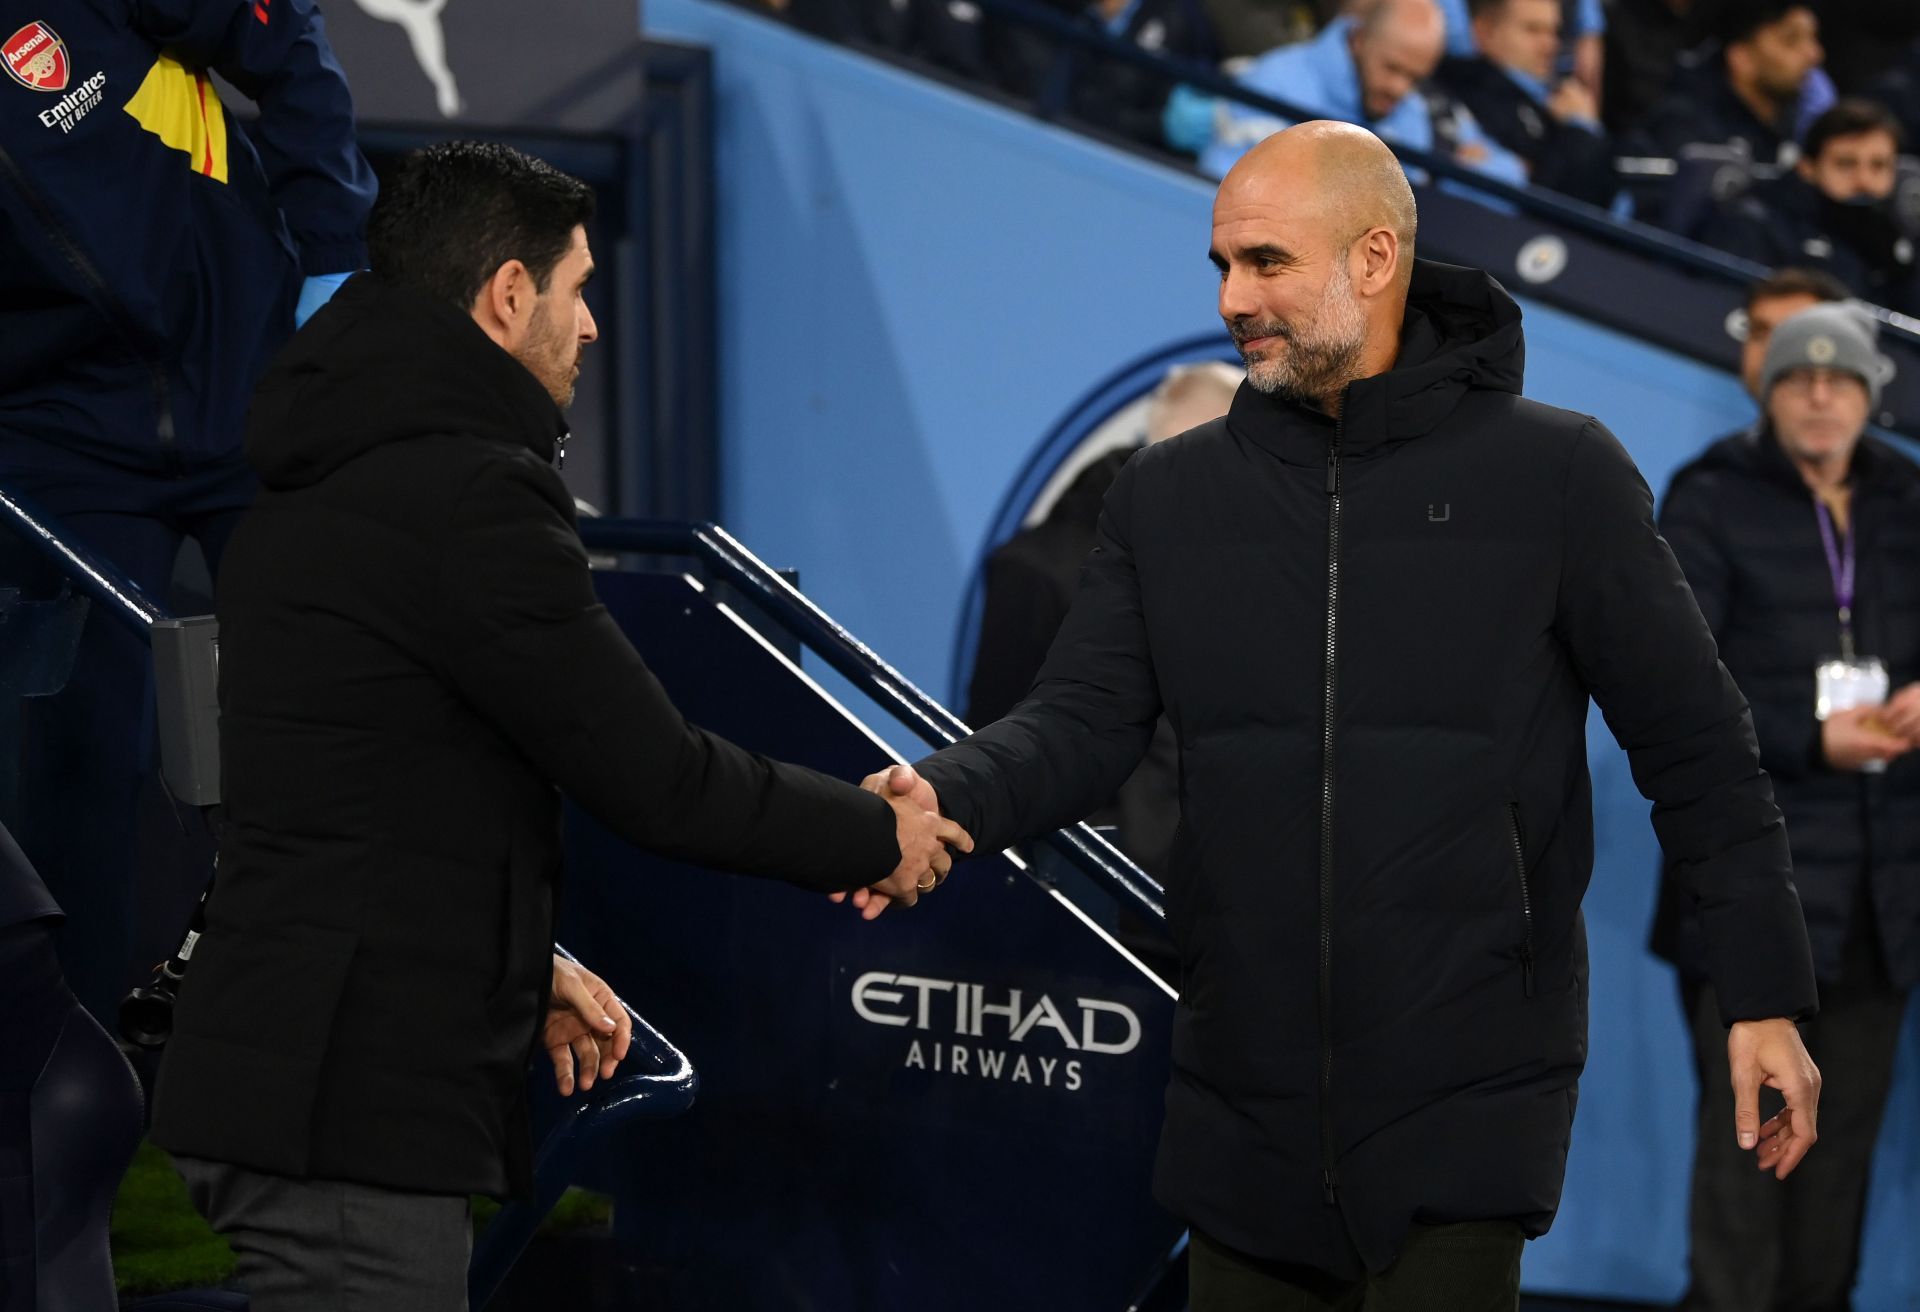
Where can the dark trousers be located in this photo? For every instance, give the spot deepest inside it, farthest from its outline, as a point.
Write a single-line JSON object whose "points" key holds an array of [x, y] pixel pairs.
{"points": [[331, 1246], [69, 1122], [1470, 1267], [85, 749], [1765, 1245]]}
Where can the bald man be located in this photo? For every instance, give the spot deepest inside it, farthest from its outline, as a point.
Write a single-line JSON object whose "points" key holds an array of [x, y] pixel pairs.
{"points": [[1367, 67], [1374, 601]]}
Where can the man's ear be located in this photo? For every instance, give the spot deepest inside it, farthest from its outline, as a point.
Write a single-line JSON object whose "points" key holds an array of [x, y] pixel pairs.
{"points": [[505, 298], [1379, 260]]}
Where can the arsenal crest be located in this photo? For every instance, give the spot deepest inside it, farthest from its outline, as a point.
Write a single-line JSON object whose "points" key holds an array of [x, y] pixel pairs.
{"points": [[36, 58]]}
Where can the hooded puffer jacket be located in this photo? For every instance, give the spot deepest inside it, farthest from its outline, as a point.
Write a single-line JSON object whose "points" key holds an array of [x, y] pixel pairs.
{"points": [[413, 665], [1376, 638]]}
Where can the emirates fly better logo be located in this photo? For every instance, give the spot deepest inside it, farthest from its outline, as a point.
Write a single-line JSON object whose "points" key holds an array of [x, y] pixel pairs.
{"points": [[36, 58]]}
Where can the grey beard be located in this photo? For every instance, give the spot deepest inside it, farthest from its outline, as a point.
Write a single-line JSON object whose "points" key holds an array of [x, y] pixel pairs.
{"points": [[1311, 370], [1321, 357]]}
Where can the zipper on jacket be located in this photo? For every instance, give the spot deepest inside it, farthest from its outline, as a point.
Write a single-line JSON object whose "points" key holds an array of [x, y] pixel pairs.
{"points": [[1526, 899], [1330, 1176], [108, 303]]}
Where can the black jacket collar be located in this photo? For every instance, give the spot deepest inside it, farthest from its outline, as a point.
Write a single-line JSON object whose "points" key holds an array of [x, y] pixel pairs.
{"points": [[1461, 331], [383, 364]]}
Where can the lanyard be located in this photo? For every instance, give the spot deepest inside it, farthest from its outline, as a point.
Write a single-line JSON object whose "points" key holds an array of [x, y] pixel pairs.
{"points": [[1840, 564]]}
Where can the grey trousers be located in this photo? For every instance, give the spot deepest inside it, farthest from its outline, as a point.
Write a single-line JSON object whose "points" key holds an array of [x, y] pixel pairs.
{"points": [[331, 1246]]}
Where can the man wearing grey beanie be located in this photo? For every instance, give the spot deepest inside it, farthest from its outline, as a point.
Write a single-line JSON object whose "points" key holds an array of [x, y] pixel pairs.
{"points": [[1801, 540]]}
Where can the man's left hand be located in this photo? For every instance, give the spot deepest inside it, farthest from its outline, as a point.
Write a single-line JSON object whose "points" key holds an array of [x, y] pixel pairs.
{"points": [[1770, 1053], [587, 1026]]}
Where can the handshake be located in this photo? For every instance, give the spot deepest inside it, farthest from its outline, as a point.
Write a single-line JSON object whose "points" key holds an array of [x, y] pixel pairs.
{"points": [[924, 837]]}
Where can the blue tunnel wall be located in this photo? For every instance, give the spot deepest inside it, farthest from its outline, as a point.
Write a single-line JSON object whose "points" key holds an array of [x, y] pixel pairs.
{"points": [[916, 286]]}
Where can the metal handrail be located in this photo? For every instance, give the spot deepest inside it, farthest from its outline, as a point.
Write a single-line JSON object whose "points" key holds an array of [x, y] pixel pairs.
{"points": [[861, 666], [102, 583]]}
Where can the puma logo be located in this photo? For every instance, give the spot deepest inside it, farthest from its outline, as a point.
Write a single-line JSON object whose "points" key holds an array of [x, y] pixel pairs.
{"points": [[420, 19]]}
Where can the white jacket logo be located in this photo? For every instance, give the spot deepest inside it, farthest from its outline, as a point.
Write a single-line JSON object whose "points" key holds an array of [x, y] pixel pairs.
{"points": [[961, 1009]]}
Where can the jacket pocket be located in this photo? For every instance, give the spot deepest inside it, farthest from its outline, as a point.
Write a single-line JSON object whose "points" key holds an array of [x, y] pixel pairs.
{"points": [[1526, 897]]}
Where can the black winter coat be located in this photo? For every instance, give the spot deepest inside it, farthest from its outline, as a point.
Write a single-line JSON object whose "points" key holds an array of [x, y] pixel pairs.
{"points": [[1742, 522], [413, 665], [1376, 639]]}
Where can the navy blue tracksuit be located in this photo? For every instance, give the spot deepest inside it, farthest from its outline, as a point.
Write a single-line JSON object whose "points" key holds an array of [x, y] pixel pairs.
{"points": [[151, 251]]}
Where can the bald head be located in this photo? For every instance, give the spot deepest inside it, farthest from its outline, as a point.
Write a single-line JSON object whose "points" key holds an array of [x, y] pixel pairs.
{"points": [[1396, 45], [1338, 176], [1314, 228], [1422, 20]]}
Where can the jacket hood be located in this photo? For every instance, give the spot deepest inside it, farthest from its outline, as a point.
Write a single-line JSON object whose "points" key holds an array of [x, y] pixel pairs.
{"points": [[382, 364], [1461, 332]]}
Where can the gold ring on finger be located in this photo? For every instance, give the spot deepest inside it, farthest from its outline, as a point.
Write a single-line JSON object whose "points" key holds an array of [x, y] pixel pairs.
{"points": [[927, 885]]}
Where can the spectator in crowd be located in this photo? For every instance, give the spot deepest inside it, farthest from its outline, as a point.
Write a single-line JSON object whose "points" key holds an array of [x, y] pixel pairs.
{"points": [[1552, 123], [1771, 302], [1583, 23], [1030, 580], [1834, 210], [153, 257], [1367, 67], [1748, 97], [1097, 90], [1798, 538]]}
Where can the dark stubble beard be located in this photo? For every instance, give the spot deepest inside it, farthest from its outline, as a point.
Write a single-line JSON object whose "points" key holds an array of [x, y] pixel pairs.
{"points": [[550, 354], [1321, 357]]}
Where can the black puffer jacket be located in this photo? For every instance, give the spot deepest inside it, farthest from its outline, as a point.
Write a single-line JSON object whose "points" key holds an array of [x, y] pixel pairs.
{"points": [[1376, 640], [413, 661], [1743, 525]]}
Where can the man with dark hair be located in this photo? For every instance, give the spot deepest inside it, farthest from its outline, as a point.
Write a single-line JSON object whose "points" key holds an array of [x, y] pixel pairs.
{"points": [[1746, 99], [413, 668], [1798, 538], [1834, 211], [1771, 302], [1375, 601], [1514, 90]]}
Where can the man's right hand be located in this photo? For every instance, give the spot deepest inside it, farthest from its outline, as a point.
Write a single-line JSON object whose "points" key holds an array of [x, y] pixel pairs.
{"points": [[924, 837], [1850, 739], [910, 796]]}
